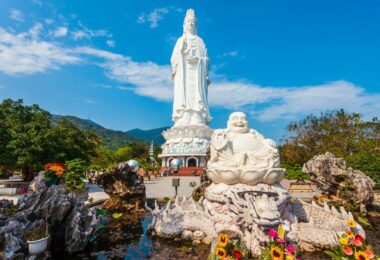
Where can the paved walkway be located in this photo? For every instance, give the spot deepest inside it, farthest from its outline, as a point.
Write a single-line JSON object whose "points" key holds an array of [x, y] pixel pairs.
{"points": [[162, 187]]}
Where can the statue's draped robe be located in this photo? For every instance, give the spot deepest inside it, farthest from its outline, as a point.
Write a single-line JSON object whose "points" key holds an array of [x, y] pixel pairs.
{"points": [[190, 106]]}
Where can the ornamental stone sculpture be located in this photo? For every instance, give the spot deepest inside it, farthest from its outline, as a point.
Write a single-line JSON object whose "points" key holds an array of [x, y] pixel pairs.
{"points": [[242, 155], [190, 75]]}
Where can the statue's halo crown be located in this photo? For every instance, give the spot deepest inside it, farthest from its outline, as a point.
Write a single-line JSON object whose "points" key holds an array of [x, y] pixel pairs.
{"points": [[190, 14]]}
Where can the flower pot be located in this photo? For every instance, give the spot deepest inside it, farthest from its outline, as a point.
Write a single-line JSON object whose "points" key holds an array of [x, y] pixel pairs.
{"points": [[38, 246]]}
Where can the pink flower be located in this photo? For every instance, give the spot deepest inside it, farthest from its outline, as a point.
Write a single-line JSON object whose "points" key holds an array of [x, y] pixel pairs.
{"points": [[291, 249], [369, 254], [279, 240], [358, 240], [272, 233], [347, 250]]}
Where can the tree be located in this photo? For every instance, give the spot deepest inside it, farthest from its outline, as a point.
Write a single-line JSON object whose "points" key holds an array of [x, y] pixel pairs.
{"points": [[343, 134], [25, 133], [70, 142], [104, 159], [29, 139], [124, 153]]}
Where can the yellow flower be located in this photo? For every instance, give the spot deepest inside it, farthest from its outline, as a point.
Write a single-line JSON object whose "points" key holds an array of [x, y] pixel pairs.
{"points": [[223, 240], [343, 241], [276, 253], [220, 252], [360, 255], [289, 257], [349, 234], [351, 223]]}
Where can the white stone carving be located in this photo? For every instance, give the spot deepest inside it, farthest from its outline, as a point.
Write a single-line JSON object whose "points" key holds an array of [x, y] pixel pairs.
{"points": [[190, 75], [190, 134], [242, 155]]}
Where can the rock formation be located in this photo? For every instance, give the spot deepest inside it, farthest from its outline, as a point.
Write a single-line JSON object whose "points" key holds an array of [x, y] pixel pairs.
{"points": [[125, 187], [55, 205], [332, 175]]}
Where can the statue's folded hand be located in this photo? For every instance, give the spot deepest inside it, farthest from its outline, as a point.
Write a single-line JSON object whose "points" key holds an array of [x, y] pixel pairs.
{"points": [[193, 59]]}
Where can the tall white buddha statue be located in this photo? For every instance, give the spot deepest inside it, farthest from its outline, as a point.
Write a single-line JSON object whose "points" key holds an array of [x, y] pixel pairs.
{"points": [[242, 155], [190, 75]]}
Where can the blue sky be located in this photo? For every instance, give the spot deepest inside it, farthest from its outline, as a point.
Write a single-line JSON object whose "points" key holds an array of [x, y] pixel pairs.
{"points": [[109, 60]]}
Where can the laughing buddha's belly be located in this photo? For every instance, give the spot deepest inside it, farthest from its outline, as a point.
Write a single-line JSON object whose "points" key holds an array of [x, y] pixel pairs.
{"points": [[246, 142]]}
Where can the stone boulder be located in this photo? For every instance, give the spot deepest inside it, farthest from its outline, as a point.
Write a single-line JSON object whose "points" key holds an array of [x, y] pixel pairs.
{"points": [[62, 211], [332, 175], [123, 184]]}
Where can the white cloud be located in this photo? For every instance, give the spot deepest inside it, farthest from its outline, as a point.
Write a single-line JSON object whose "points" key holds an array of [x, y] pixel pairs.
{"points": [[330, 96], [264, 103], [110, 43], [233, 53], [86, 33], [89, 101], [16, 15], [155, 16], [60, 32], [148, 78], [37, 2], [49, 21], [107, 55], [25, 53]]}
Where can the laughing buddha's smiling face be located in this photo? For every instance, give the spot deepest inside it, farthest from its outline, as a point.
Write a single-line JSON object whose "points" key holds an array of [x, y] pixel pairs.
{"points": [[238, 123]]}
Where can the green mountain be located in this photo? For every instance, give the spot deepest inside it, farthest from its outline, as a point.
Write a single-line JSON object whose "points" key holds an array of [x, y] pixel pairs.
{"points": [[115, 139], [149, 135]]}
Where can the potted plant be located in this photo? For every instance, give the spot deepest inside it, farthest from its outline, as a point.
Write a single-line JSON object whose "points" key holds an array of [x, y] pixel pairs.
{"points": [[37, 239], [74, 178], [53, 173]]}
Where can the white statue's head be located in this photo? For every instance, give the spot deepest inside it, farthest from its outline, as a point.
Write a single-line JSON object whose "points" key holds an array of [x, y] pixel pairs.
{"points": [[238, 123], [190, 22]]}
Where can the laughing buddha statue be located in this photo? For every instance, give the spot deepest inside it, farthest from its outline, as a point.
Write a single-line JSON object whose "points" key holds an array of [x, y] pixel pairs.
{"points": [[242, 155]]}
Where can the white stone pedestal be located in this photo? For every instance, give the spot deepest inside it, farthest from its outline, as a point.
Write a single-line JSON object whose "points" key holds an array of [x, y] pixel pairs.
{"points": [[187, 143]]}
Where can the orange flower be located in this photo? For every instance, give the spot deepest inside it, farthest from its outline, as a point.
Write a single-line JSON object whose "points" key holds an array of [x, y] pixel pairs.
{"points": [[58, 168], [223, 240], [349, 234], [220, 252], [369, 253], [276, 253], [360, 255], [351, 223]]}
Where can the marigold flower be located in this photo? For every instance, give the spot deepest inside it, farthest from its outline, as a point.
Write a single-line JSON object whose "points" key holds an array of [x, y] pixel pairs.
{"points": [[223, 240], [343, 241], [289, 257], [272, 233], [349, 234], [351, 223], [358, 240], [220, 252], [276, 253], [347, 250], [360, 255]]}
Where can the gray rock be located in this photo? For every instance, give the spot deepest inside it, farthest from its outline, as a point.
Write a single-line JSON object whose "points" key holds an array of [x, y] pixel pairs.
{"points": [[80, 226], [329, 173]]}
